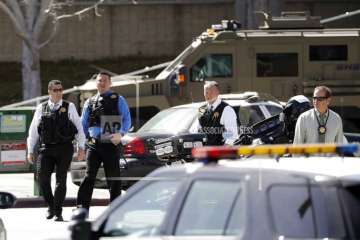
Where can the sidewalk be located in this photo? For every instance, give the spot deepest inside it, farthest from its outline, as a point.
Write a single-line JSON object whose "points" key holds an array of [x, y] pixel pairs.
{"points": [[22, 186]]}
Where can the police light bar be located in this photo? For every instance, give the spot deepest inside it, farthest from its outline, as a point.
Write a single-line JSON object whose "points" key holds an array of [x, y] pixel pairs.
{"points": [[213, 153]]}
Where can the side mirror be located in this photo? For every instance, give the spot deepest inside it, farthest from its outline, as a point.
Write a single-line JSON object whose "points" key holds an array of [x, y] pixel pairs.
{"points": [[7, 200], [80, 228]]}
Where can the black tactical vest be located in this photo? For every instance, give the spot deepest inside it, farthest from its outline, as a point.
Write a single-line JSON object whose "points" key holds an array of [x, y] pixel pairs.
{"points": [[210, 123], [103, 106], [55, 126]]}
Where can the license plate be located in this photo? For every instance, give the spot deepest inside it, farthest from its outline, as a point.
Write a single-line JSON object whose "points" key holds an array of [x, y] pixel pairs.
{"points": [[177, 163], [164, 148], [197, 144], [192, 144]]}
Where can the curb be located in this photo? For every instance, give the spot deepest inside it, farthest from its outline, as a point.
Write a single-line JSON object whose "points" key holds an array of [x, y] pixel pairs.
{"points": [[38, 202]]}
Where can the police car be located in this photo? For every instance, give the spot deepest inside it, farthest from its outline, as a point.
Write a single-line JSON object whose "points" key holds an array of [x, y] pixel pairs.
{"points": [[243, 193], [165, 138]]}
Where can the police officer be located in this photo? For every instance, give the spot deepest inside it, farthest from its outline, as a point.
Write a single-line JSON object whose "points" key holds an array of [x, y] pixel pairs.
{"points": [[216, 118], [55, 123], [105, 119]]}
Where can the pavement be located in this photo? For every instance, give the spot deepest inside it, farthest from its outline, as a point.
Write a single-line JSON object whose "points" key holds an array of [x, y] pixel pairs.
{"points": [[22, 186], [31, 224]]}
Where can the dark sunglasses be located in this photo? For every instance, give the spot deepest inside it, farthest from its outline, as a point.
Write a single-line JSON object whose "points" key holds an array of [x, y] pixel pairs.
{"points": [[57, 90], [319, 98]]}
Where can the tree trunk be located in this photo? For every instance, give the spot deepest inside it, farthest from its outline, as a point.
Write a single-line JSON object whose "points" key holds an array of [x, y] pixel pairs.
{"points": [[30, 72]]}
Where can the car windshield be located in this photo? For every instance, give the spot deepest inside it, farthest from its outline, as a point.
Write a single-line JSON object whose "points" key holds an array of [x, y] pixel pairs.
{"points": [[174, 120], [144, 211]]}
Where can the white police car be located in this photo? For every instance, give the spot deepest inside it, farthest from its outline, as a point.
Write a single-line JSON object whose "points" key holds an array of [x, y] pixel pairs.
{"points": [[263, 197]]}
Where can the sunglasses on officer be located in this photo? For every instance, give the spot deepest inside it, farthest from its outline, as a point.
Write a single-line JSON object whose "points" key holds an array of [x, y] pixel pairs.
{"points": [[319, 98]]}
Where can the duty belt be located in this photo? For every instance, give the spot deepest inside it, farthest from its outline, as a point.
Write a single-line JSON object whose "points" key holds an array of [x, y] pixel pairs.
{"points": [[53, 145]]}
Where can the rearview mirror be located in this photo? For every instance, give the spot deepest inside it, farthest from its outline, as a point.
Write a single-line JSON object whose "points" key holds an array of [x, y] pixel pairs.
{"points": [[7, 200]]}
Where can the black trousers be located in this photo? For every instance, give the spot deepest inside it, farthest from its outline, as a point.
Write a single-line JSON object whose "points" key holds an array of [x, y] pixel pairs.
{"points": [[59, 158], [109, 155]]}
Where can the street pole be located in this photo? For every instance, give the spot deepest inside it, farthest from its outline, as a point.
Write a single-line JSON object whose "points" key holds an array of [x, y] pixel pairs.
{"points": [[137, 104]]}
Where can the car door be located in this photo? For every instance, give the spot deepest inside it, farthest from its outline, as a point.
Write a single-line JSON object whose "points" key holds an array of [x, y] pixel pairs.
{"points": [[208, 206]]}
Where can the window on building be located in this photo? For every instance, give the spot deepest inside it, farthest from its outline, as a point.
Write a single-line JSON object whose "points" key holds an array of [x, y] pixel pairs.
{"points": [[328, 53], [212, 66], [277, 64]]}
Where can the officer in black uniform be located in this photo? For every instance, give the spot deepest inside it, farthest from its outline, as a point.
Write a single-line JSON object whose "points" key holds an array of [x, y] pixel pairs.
{"points": [[55, 125], [216, 118], [105, 119]]}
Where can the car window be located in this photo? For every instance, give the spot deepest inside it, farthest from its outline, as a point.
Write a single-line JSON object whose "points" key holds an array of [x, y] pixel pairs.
{"points": [[274, 110], [143, 212], [212, 66], [351, 197], [249, 115], [207, 208], [304, 212], [169, 120]]}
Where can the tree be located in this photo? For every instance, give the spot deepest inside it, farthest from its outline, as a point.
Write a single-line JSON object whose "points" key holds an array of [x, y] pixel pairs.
{"points": [[29, 18]]}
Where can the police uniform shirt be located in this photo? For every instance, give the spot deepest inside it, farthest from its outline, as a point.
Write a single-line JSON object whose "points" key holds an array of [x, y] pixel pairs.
{"points": [[73, 117], [228, 120], [306, 130], [124, 115]]}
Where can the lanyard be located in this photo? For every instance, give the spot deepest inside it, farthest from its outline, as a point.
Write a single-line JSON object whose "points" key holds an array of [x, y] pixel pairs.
{"points": [[321, 128]]}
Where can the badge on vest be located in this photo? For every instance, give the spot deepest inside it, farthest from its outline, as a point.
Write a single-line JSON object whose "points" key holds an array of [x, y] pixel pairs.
{"points": [[113, 96], [62, 109], [216, 115], [322, 130]]}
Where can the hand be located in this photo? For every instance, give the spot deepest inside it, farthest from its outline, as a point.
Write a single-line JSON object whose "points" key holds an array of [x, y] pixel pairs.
{"points": [[115, 138], [30, 158], [80, 154]]}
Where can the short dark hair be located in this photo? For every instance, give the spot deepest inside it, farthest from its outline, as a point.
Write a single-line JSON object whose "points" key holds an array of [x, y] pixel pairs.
{"points": [[324, 89], [104, 73], [53, 83]]}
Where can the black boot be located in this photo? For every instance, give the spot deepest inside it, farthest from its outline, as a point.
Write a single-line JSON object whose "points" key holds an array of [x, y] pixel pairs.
{"points": [[50, 213], [58, 218]]}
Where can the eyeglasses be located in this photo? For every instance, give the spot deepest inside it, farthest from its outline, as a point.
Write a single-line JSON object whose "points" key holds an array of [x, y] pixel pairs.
{"points": [[57, 90], [316, 98]]}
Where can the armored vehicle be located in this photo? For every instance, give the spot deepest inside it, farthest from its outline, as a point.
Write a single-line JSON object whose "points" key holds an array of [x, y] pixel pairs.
{"points": [[286, 56]]}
